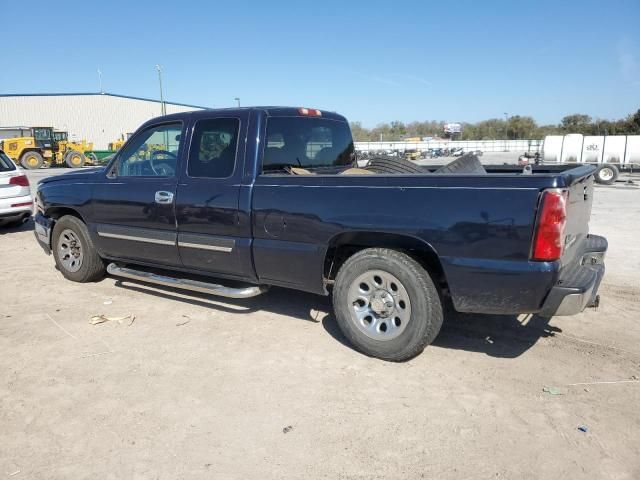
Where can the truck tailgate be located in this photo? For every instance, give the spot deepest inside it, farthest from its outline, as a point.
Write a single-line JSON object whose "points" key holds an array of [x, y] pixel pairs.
{"points": [[579, 203]]}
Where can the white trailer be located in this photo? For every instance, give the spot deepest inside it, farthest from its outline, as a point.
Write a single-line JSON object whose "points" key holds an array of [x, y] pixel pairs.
{"points": [[612, 153]]}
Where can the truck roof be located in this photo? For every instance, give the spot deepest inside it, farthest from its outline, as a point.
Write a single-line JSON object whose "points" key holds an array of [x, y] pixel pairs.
{"points": [[271, 111]]}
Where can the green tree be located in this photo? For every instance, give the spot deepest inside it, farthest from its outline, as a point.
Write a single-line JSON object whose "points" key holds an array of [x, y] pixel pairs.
{"points": [[634, 123], [518, 127], [577, 123], [359, 133], [521, 127]]}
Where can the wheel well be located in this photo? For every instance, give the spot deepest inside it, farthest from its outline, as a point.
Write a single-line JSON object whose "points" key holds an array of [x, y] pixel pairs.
{"points": [[345, 245], [57, 212], [29, 150]]}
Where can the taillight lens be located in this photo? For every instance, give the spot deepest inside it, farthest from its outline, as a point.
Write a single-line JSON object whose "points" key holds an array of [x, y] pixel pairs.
{"points": [[20, 180], [311, 112], [548, 240]]}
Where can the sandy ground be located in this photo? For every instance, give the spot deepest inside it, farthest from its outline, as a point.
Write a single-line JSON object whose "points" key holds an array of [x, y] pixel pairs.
{"points": [[267, 388]]}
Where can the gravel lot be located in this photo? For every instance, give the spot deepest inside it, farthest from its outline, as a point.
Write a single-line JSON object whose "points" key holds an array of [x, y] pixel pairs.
{"points": [[267, 388]]}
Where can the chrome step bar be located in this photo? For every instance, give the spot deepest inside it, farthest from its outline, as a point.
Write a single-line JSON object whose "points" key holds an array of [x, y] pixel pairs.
{"points": [[186, 284]]}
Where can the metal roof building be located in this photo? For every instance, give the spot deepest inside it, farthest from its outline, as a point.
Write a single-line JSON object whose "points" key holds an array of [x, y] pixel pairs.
{"points": [[96, 117]]}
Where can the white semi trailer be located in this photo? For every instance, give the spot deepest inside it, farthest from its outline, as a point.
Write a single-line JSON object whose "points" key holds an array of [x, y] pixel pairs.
{"points": [[612, 153]]}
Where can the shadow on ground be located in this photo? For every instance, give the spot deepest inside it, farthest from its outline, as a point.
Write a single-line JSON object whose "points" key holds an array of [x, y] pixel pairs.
{"points": [[505, 336], [23, 227]]}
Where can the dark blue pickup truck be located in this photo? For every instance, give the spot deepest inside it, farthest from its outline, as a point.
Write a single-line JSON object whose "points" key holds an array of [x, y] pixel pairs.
{"points": [[273, 196]]}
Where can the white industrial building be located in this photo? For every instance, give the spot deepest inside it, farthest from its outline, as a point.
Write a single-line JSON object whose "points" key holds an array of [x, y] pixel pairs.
{"points": [[100, 118]]}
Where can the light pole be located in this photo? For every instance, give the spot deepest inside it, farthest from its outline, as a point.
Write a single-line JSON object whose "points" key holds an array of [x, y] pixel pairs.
{"points": [[100, 79], [163, 108], [237, 99], [506, 126]]}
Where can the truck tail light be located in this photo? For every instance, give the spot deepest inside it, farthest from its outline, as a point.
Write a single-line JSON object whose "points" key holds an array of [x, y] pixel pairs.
{"points": [[548, 239], [20, 180], [310, 112]]}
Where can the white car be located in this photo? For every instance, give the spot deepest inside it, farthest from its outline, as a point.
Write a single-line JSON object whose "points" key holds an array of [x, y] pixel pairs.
{"points": [[16, 203]]}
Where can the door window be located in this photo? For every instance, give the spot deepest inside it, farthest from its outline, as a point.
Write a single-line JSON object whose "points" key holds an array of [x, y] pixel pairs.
{"points": [[153, 153], [213, 150]]}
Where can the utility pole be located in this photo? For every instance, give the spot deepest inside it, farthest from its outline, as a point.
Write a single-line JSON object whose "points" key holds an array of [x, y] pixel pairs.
{"points": [[237, 99], [162, 105], [100, 79], [506, 126]]}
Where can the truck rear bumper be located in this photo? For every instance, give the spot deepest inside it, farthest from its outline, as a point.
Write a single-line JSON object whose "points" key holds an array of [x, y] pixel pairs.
{"points": [[577, 287]]}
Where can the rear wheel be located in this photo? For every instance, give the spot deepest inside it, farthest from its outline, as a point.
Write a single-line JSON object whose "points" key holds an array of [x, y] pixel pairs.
{"points": [[607, 174], [74, 253], [32, 160], [74, 159], [386, 304]]}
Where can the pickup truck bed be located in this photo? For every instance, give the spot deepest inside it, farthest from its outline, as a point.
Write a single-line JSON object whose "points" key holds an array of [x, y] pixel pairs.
{"points": [[500, 242]]}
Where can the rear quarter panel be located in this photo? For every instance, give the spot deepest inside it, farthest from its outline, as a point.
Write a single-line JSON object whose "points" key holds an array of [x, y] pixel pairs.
{"points": [[480, 227]]}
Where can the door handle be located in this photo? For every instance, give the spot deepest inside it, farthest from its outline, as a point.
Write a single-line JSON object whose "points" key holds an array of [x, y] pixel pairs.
{"points": [[164, 197]]}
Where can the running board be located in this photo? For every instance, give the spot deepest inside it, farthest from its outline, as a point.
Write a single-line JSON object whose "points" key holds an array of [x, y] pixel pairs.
{"points": [[187, 284]]}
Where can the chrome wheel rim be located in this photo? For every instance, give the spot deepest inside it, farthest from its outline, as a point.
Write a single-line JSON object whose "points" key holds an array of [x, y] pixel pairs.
{"points": [[70, 250], [606, 174], [379, 305]]}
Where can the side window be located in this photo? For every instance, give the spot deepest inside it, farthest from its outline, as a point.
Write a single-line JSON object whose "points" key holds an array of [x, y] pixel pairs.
{"points": [[153, 153], [213, 149]]}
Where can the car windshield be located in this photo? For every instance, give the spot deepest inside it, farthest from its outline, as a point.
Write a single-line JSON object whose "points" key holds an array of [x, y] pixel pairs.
{"points": [[307, 143], [6, 164]]}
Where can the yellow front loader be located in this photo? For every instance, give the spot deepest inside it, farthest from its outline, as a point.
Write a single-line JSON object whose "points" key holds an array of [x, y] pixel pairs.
{"points": [[70, 152], [117, 144], [31, 147]]}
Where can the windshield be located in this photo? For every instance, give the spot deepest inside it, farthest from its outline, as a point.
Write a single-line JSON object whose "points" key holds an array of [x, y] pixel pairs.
{"points": [[6, 164], [307, 143], [42, 133]]}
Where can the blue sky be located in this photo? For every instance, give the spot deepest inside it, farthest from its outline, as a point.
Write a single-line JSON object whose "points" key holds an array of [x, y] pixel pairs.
{"points": [[371, 61]]}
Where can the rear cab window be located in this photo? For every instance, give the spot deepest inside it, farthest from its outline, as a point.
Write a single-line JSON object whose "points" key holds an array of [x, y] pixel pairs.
{"points": [[311, 143]]}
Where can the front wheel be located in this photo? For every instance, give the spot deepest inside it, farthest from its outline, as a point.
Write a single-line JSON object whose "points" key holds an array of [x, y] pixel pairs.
{"points": [[386, 304], [32, 160], [74, 159], [74, 253]]}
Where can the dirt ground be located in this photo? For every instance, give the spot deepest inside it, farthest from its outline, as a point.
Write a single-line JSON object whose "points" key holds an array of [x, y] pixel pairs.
{"points": [[267, 388]]}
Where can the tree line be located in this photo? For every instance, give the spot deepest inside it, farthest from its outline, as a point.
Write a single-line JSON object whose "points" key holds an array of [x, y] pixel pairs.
{"points": [[513, 128]]}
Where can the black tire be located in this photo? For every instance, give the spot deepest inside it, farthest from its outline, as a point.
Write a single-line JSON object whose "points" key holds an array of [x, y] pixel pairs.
{"points": [[607, 174], [425, 318], [74, 159], [467, 164], [92, 267], [394, 165], [31, 160]]}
